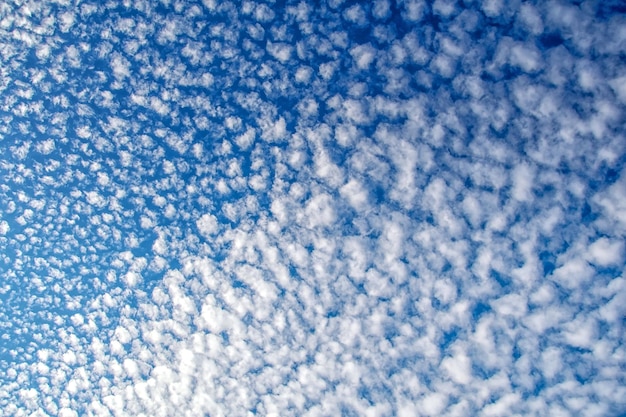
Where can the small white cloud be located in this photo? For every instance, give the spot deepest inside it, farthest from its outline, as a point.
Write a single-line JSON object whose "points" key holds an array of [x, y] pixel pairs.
{"points": [[502, 407], [523, 181], [303, 74], [45, 147], [280, 51], [320, 211], [273, 130], [355, 14], [619, 87], [263, 13], [246, 139], [363, 55], [356, 194], [160, 246], [511, 305], [159, 106], [131, 278], [233, 123], [526, 57], [444, 66], [414, 10], [573, 273], [492, 8], [69, 357], [530, 18], [146, 222], [327, 70], [581, 332], [67, 20], [380, 9], [433, 404], [4, 227], [67, 412], [356, 111], [613, 204], [444, 8], [95, 199], [120, 66], [207, 225], [606, 252], [458, 367], [308, 107]]}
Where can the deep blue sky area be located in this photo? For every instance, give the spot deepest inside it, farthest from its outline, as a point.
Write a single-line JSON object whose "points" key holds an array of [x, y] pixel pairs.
{"points": [[282, 208]]}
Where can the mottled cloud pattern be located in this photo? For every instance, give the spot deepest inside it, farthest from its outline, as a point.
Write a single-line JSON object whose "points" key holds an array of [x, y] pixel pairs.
{"points": [[283, 208]]}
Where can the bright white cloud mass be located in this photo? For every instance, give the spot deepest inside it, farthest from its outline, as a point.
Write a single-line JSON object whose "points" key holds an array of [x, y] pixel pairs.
{"points": [[333, 208]]}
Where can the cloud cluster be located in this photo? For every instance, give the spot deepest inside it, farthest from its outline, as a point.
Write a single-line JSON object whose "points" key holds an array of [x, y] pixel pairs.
{"points": [[278, 208]]}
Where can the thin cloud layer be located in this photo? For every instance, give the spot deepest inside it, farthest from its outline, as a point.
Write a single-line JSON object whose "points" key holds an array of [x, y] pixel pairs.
{"points": [[278, 208]]}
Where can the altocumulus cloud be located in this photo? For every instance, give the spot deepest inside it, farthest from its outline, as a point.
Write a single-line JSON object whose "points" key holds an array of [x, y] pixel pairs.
{"points": [[385, 208]]}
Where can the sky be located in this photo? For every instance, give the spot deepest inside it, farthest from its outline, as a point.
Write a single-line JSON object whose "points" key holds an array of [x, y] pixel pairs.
{"points": [[328, 208]]}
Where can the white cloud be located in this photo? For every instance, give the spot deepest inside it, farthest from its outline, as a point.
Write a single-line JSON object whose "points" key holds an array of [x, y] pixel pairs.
{"points": [[511, 304], [502, 406], [492, 8], [619, 87], [67, 412], [444, 66], [356, 14], [380, 9], [530, 18], [605, 252], [4, 227], [273, 130], [46, 147], [356, 194], [303, 74], [207, 225], [246, 139], [523, 182], [433, 404], [613, 205], [356, 111], [414, 10], [280, 51], [458, 367], [67, 20], [526, 57], [120, 66], [363, 55], [581, 332], [320, 211]]}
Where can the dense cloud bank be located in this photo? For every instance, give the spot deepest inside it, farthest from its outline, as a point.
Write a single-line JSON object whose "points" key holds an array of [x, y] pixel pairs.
{"points": [[342, 208]]}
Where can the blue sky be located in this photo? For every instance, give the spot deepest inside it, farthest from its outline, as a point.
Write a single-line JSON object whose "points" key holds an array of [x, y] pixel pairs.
{"points": [[386, 208]]}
